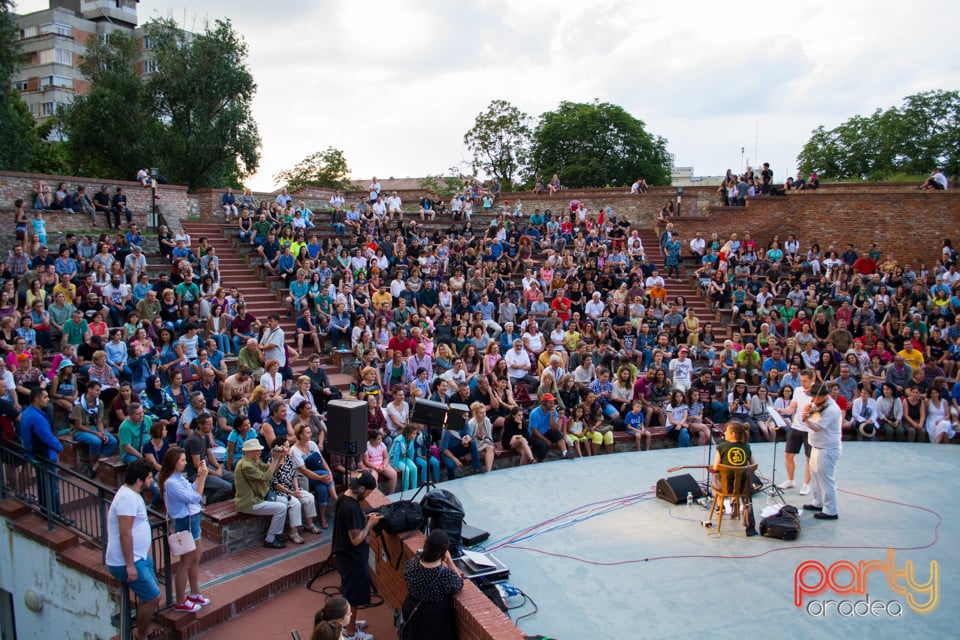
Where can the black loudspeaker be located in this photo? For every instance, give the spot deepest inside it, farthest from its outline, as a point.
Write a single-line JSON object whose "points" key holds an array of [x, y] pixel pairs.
{"points": [[674, 489], [458, 417], [346, 427], [429, 413]]}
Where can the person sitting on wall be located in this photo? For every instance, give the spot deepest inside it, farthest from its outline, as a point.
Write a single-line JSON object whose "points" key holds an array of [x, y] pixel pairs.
{"points": [[936, 181]]}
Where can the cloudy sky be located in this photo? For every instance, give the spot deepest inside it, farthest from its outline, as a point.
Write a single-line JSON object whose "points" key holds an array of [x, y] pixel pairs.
{"points": [[395, 84]]}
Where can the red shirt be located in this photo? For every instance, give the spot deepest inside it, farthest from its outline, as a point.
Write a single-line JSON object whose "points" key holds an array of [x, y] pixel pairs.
{"points": [[405, 346], [562, 306], [865, 265]]}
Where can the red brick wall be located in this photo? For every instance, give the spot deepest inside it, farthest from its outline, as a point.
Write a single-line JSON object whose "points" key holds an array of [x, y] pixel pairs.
{"points": [[174, 203], [911, 225], [477, 617], [210, 199]]}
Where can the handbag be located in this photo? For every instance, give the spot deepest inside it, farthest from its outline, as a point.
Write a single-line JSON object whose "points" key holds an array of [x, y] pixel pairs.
{"points": [[180, 542], [403, 515]]}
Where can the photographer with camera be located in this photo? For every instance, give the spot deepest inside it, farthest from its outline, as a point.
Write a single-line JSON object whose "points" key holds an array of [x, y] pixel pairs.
{"points": [[350, 545], [253, 494]]}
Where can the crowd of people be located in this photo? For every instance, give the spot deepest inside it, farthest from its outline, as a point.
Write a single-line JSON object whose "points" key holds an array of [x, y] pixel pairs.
{"points": [[548, 330]]}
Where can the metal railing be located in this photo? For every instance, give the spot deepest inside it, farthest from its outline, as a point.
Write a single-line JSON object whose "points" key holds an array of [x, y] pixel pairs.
{"points": [[68, 499]]}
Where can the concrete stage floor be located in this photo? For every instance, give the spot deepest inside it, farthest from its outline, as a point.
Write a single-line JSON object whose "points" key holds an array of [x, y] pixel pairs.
{"points": [[654, 572]]}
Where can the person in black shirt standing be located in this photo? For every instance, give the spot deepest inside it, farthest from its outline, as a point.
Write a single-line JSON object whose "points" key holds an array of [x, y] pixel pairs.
{"points": [[350, 546], [766, 179]]}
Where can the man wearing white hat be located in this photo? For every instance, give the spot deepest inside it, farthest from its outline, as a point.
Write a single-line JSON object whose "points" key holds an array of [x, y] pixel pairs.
{"points": [[252, 479]]}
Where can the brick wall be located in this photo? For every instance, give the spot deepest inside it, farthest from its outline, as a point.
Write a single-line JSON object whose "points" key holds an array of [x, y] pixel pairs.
{"points": [[477, 617], [909, 224], [209, 207], [174, 203]]}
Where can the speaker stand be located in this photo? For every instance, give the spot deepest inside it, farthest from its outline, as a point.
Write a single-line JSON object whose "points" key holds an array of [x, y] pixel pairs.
{"points": [[327, 566]]}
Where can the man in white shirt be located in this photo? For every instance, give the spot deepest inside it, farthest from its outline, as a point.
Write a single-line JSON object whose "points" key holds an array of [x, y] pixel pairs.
{"points": [[863, 414], [654, 279], [518, 365], [134, 264], [393, 205], [952, 276], [936, 181], [681, 370], [698, 245], [129, 541], [380, 208], [374, 190], [282, 199], [594, 308], [272, 342], [528, 280], [824, 420]]}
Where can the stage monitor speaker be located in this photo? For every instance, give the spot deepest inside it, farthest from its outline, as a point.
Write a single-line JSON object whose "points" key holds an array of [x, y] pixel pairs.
{"points": [[674, 489], [347, 427], [429, 413], [458, 416]]}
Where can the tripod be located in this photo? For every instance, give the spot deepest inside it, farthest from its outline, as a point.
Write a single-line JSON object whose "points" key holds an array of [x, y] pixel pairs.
{"points": [[772, 490], [327, 566]]}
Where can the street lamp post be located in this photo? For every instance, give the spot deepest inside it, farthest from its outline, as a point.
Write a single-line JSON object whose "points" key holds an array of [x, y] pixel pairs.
{"points": [[154, 221], [679, 199]]}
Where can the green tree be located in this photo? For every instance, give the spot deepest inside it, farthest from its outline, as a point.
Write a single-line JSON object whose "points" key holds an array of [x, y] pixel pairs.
{"points": [[111, 131], [202, 93], [50, 156], [444, 184], [910, 140], [326, 169], [597, 144], [500, 141], [16, 131], [16, 122]]}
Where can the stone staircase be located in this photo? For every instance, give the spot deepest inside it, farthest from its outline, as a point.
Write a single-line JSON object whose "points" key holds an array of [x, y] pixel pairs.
{"points": [[685, 286], [261, 296]]}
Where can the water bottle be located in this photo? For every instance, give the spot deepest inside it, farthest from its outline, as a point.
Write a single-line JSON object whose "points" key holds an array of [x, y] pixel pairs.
{"points": [[689, 499]]}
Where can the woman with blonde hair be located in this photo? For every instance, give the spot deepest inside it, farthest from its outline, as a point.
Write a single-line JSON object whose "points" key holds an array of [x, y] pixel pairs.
{"points": [[480, 429], [548, 384], [259, 407]]}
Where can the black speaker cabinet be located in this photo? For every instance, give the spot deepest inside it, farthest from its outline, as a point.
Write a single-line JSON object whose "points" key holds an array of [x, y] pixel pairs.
{"points": [[429, 413], [346, 427], [674, 489], [458, 417]]}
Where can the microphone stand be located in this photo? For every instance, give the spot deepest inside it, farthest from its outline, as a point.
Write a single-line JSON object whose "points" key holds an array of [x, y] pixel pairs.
{"points": [[705, 483]]}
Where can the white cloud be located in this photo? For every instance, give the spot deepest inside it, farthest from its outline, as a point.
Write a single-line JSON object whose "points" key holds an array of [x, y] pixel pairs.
{"points": [[395, 84]]}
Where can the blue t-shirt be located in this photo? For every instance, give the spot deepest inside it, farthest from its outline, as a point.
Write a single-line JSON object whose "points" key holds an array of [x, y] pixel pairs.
{"points": [[634, 420], [540, 420]]}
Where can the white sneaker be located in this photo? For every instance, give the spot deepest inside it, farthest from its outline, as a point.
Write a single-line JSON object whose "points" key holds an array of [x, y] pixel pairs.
{"points": [[805, 489], [787, 484], [359, 635], [360, 624]]}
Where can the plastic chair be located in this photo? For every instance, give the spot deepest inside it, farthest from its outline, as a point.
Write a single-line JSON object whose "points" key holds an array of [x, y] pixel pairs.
{"points": [[734, 483]]}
